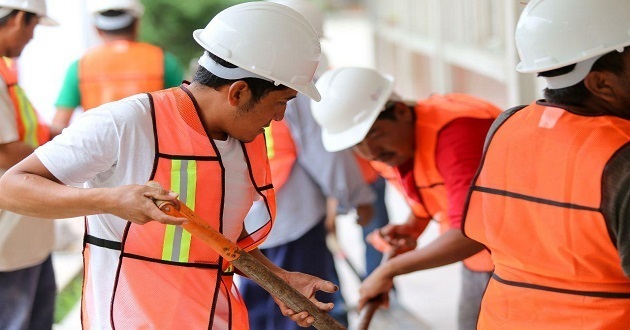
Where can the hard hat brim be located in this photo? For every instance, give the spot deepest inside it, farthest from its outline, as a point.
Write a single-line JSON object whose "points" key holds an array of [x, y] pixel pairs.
{"points": [[349, 138], [47, 21], [309, 90]]}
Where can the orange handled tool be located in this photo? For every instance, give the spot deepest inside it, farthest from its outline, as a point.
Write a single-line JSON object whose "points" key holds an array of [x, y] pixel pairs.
{"points": [[247, 264]]}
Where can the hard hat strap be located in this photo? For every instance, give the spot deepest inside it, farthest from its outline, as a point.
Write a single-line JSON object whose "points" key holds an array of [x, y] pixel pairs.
{"points": [[224, 72]]}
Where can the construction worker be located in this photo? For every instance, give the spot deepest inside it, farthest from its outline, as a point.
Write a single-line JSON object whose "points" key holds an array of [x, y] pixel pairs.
{"points": [[201, 141], [119, 67], [304, 175], [430, 150], [27, 280], [551, 198]]}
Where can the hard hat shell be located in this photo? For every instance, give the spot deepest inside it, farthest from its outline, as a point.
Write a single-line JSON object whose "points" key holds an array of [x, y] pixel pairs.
{"points": [[134, 7], [37, 7], [551, 34], [268, 39], [309, 10], [352, 99]]}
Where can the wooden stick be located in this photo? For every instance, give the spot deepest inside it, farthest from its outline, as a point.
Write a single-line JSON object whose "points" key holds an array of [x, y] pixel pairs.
{"points": [[247, 264], [365, 317]]}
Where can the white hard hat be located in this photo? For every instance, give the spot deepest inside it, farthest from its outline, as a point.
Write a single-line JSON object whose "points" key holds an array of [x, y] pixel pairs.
{"points": [[37, 7], [267, 39], [134, 7], [352, 99], [551, 34], [309, 10]]}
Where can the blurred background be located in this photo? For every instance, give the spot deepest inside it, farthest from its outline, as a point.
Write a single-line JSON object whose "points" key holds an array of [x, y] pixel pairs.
{"points": [[430, 46]]}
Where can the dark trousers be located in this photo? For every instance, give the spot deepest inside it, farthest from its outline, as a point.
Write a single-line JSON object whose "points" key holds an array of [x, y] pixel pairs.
{"points": [[27, 297]]}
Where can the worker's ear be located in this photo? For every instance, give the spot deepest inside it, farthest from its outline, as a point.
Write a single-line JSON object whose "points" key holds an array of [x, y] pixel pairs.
{"points": [[238, 93], [604, 85]]}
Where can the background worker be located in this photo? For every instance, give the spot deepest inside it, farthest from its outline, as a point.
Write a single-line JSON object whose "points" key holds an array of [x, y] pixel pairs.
{"points": [[118, 68], [27, 280], [203, 141], [430, 150], [304, 175], [551, 198]]}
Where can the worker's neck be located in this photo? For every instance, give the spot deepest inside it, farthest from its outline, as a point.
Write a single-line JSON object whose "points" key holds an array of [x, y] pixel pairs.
{"points": [[118, 37]]}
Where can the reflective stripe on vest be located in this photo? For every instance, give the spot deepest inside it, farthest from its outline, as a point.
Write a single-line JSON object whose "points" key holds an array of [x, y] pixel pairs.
{"points": [[183, 181], [555, 263], [431, 116], [119, 69], [163, 270], [280, 151], [30, 129]]}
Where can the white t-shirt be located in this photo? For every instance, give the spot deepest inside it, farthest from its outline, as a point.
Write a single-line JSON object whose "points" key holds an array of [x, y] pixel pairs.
{"points": [[113, 145], [24, 241]]}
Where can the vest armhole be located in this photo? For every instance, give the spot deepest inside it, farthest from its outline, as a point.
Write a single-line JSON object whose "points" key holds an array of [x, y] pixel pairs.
{"points": [[615, 207]]}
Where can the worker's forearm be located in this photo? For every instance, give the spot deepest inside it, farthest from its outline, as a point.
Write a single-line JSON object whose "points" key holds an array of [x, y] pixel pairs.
{"points": [[62, 118], [34, 195], [448, 248]]}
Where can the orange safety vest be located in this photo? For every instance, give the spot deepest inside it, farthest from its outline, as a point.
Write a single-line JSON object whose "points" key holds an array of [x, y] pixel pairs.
{"points": [[432, 115], [536, 205], [119, 69], [166, 278], [367, 171], [281, 152], [30, 128]]}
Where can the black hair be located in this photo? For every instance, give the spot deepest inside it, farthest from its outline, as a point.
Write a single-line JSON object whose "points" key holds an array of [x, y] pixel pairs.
{"points": [[388, 111], [28, 16], [129, 29], [259, 87], [578, 93]]}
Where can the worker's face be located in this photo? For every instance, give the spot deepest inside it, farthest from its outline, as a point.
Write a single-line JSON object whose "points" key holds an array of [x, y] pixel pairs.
{"points": [[390, 141], [21, 32], [252, 117]]}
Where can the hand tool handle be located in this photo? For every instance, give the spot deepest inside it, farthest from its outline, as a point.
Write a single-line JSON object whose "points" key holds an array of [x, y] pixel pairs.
{"points": [[247, 264], [365, 317]]}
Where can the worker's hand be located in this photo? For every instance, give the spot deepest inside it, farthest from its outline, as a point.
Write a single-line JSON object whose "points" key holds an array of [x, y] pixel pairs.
{"points": [[308, 285], [135, 204], [392, 238], [365, 213], [376, 286]]}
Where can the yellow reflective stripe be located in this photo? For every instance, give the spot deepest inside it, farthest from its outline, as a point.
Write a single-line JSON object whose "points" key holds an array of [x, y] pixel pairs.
{"points": [[167, 249], [191, 193], [169, 233], [184, 182], [27, 116], [270, 151]]}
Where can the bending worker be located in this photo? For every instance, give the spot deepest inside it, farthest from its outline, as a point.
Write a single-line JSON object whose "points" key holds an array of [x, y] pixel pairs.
{"points": [[202, 141], [430, 150], [551, 198], [118, 68]]}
